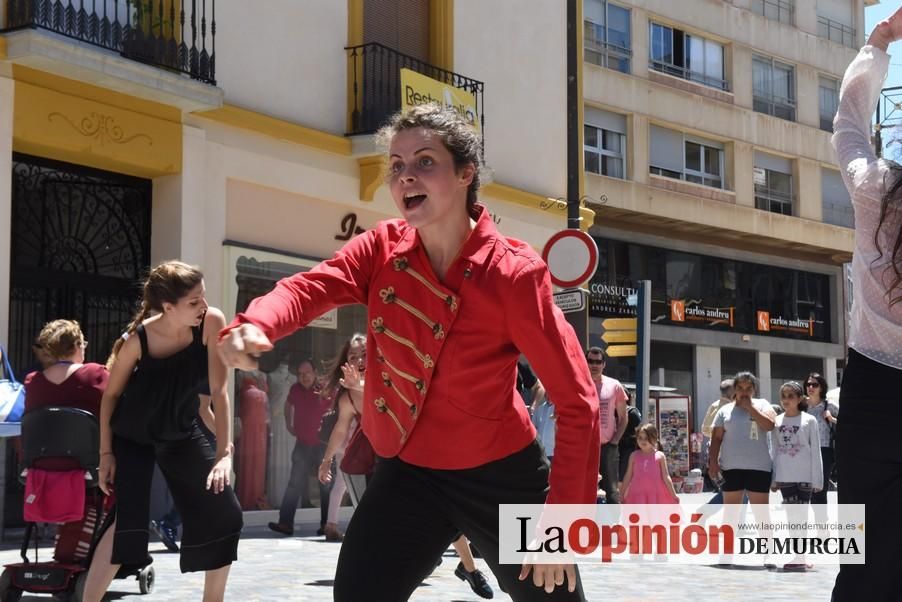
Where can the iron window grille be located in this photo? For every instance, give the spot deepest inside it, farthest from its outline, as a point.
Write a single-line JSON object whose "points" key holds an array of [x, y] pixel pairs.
{"points": [[181, 39]]}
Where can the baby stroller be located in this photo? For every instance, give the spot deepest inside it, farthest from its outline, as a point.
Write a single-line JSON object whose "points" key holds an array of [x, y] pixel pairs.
{"points": [[69, 438]]}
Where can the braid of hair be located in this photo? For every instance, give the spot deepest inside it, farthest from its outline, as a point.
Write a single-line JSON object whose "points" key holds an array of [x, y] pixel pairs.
{"points": [[141, 315]]}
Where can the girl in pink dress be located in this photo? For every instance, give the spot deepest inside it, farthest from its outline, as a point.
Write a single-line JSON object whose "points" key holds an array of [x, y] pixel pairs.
{"points": [[647, 480]]}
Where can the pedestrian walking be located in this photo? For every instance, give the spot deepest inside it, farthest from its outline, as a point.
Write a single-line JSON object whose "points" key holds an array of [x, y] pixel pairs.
{"points": [[149, 413], [647, 479], [613, 422], [825, 414], [870, 467], [798, 472], [452, 303], [304, 409]]}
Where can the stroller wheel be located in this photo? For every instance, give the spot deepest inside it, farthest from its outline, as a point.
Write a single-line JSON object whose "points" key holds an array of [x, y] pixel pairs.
{"points": [[8, 592], [146, 579]]}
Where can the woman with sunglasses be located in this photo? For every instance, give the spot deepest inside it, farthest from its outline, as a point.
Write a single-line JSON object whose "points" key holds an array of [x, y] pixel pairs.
{"points": [[825, 413], [870, 466]]}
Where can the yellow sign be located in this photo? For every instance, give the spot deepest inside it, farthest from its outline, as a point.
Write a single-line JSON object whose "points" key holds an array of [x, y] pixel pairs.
{"points": [[417, 89], [619, 330], [619, 323], [621, 350]]}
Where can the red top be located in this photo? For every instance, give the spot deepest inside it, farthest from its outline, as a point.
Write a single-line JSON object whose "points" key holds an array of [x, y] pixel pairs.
{"points": [[308, 407], [442, 357], [83, 389]]}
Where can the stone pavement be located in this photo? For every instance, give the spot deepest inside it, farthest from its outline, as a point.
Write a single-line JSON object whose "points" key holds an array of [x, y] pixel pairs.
{"points": [[301, 568], [274, 567]]}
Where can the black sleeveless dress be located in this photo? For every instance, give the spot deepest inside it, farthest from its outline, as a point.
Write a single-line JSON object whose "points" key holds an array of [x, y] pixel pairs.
{"points": [[160, 402]]}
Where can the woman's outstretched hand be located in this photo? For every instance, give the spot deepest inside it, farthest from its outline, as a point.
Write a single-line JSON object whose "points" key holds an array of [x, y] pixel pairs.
{"points": [[241, 347], [887, 31], [352, 380]]}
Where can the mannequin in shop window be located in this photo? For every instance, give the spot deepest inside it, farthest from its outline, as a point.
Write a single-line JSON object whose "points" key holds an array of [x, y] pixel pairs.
{"points": [[278, 469], [253, 411]]}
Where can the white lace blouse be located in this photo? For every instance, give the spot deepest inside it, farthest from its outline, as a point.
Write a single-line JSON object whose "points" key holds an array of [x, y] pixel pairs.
{"points": [[875, 330]]}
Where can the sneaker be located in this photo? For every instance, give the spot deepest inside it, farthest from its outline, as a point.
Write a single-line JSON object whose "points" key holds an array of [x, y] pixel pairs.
{"points": [[476, 579], [281, 528], [321, 531], [167, 534]]}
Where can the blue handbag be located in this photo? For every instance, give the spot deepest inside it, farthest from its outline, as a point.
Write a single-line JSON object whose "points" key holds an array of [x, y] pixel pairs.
{"points": [[12, 394]]}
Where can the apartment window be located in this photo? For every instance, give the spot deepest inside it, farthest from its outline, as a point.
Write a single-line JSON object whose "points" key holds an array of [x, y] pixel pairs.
{"points": [[687, 56], [776, 10], [835, 201], [828, 99], [773, 87], [604, 144], [834, 21], [835, 31], [675, 155], [773, 184], [607, 35]]}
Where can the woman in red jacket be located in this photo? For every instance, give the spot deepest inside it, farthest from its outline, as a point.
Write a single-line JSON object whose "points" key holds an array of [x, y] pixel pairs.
{"points": [[451, 303]]}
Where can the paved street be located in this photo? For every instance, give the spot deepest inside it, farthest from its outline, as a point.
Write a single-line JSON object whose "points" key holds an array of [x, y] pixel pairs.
{"points": [[301, 568]]}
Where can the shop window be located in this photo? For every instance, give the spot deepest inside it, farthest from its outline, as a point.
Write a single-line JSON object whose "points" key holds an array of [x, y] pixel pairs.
{"points": [[672, 366], [254, 273], [734, 361], [785, 367]]}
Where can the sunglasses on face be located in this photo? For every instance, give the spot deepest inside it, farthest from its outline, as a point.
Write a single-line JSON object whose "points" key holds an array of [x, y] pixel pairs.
{"points": [[812, 385], [596, 362]]}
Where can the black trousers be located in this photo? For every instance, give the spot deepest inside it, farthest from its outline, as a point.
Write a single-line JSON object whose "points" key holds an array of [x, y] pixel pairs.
{"points": [[211, 523], [305, 460], [869, 467], [410, 515]]}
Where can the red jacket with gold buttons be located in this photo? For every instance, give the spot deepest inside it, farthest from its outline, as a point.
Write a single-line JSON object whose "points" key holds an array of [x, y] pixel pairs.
{"points": [[442, 355]]}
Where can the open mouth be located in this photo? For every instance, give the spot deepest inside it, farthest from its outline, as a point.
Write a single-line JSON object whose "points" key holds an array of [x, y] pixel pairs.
{"points": [[412, 201]]}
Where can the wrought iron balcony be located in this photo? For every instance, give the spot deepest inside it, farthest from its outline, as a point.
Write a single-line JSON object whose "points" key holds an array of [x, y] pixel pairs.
{"points": [[375, 72], [172, 34]]}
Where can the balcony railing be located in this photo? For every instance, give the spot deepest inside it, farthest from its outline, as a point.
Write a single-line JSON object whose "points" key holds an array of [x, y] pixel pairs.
{"points": [[774, 104], [777, 10], [835, 31], [607, 55], [774, 201], [687, 74], [375, 72], [172, 34]]}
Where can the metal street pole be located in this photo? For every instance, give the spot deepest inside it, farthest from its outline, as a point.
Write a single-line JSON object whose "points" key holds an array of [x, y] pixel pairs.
{"points": [[578, 319]]}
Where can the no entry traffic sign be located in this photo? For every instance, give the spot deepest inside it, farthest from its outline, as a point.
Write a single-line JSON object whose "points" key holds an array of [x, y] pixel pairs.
{"points": [[572, 257]]}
